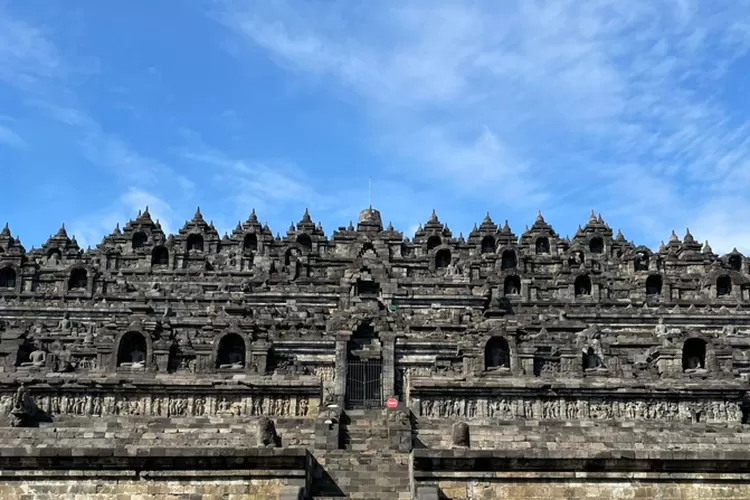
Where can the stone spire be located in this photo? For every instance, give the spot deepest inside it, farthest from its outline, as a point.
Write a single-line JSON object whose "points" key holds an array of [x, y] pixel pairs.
{"points": [[62, 233], [253, 219], [198, 215], [6, 231]]}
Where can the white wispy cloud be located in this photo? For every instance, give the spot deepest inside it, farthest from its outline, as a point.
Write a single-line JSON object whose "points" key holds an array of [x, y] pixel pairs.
{"points": [[545, 102], [10, 138], [89, 229], [43, 78]]}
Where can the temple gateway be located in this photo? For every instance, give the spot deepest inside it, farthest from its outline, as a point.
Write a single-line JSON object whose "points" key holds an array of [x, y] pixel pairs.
{"points": [[369, 365]]}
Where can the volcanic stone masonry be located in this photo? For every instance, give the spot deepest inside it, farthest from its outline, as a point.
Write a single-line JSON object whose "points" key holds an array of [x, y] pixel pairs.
{"points": [[370, 365]]}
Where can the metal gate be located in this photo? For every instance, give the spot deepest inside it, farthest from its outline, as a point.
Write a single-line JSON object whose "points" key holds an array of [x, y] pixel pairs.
{"points": [[363, 384]]}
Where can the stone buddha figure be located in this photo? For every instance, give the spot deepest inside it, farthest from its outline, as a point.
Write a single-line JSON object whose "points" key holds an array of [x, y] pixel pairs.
{"points": [[37, 357], [137, 358], [65, 325], [234, 360]]}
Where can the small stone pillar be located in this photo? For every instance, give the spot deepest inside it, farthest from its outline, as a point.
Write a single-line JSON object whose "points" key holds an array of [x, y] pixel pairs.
{"points": [[267, 437], [327, 425], [388, 375], [161, 356], [339, 382], [259, 355], [460, 435], [399, 429]]}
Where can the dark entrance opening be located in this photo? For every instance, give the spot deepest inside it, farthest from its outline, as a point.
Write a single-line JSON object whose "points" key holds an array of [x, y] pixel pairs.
{"points": [[364, 371], [363, 384]]}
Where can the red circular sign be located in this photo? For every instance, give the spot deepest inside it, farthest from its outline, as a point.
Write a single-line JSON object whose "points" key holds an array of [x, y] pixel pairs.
{"points": [[392, 402]]}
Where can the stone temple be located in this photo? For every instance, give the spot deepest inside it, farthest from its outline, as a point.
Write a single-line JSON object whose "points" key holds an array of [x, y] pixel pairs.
{"points": [[369, 365]]}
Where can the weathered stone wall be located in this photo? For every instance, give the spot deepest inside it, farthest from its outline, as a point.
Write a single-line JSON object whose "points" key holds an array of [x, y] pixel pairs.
{"points": [[141, 488], [693, 488]]}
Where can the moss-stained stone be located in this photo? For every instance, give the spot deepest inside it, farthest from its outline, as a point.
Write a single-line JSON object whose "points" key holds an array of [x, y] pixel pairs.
{"points": [[599, 490], [256, 489]]}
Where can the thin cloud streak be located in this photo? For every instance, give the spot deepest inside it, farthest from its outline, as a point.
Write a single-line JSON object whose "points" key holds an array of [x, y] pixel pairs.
{"points": [[485, 85]]}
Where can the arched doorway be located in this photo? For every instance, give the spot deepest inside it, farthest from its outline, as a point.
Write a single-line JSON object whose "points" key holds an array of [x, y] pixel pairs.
{"points": [[364, 369]]}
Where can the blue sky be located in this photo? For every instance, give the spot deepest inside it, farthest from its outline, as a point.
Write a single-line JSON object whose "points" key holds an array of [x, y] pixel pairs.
{"points": [[636, 109]]}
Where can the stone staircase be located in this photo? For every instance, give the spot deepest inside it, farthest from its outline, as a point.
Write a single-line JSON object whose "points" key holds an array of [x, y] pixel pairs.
{"points": [[366, 468]]}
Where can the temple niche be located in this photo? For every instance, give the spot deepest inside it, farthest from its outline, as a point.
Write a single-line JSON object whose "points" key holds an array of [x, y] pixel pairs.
{"points": [[653, 285], [723, 285], [497, 354], [442, 258], [250, 243], [582, 286], [160, 256], [230, 353], [542, 245], [596, 245], [433, 241], [694, 355], [508, 260], [7, 277], [139, 240], [194, 243], [512, 285], [641, 261], [78, 279], [132, 351], [488, 244]]}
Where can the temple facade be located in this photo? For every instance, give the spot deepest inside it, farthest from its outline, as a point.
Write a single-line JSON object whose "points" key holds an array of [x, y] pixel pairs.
{"points": [[366, 364]]}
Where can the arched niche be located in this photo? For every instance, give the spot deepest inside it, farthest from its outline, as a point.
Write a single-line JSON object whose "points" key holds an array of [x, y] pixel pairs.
{"points": [[78, 279], [433, 241], [291, 254], [596, 245], [194, 242], [541, 245], [250, 243], [723, 285], [305, 242], [508, 260], [54, 255], [641, 261], [139, 240], [576, 258], [653, 285], [230, 352], [160, 256], [512, 285], [582, 286], [133, 351], [8, 277], [367, 288], [497, 354], [694, 355], [442, 258], [488, 244], [735, 262]]}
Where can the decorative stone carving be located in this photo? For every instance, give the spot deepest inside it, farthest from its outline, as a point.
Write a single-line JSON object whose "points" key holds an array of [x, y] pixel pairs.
{"points": [[267, 436], [460, 435], [509, 408]]}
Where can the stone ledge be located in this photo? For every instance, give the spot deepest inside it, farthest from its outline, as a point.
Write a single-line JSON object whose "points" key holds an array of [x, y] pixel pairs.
{"points": [[246, 460], [481, 461], [569, 475]]}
